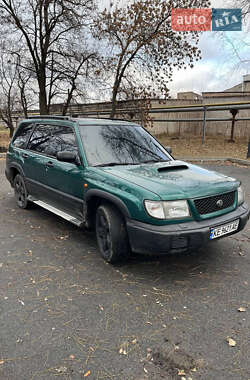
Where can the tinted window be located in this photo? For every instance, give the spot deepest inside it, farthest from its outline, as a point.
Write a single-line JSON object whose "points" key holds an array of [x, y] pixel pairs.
{"points": [[40, 138], [124, 144], [22, 135], [50, 139], [63, 139]]}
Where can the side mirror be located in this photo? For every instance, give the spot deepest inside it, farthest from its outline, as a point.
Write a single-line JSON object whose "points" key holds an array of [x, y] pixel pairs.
{"points": [[66, 156], [168, 149]]}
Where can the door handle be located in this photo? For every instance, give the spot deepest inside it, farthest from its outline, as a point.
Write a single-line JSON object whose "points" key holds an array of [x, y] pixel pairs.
{"points": [[25, 155], [49, 164]]}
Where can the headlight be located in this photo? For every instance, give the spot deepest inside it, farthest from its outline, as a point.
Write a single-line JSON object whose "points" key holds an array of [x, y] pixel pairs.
{"points": [[241, 196], [167, 209], [176, 209], [155, 209]]}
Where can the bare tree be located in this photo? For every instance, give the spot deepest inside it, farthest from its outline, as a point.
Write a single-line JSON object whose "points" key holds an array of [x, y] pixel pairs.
{"points": [[44, 28], [16, 95], [141, 42], [8, 92]]}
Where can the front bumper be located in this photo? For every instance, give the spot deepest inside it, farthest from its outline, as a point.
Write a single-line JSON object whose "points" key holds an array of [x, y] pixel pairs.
{"points": [[172, 238]]}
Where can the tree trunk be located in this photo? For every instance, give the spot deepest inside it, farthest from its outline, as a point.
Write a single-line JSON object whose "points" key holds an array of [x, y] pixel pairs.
{"points": [[69, 98], [43, 105], [11, 130], [114, 102]]}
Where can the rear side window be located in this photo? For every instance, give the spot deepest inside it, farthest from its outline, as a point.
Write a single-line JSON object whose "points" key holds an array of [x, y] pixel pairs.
{"points": [[51, 139], [22, 136]]}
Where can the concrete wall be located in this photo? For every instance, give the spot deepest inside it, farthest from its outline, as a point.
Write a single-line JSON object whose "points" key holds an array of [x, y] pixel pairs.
{"points": [[222, 128]]}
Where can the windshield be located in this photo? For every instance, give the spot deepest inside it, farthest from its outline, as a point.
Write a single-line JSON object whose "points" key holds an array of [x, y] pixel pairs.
{"points": [[120, 145]]}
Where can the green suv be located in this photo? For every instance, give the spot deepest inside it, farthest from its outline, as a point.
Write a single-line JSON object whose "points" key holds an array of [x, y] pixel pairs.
{"points": [[114, 177]]}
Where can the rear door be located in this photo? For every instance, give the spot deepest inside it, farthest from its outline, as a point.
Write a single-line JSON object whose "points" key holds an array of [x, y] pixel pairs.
{"points": [[17, 155], [35, 161]]}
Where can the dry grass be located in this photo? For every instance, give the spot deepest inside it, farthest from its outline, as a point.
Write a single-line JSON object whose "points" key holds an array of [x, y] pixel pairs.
{"points": [[4, 138], [214, 147]]}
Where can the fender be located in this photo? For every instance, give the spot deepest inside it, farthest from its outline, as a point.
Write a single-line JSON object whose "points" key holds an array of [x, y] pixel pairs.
{"points": [[111, 198], [14, 165]]}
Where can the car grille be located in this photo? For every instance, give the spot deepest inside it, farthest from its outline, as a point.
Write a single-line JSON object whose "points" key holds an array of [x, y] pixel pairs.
{"points": [[208, 205]]}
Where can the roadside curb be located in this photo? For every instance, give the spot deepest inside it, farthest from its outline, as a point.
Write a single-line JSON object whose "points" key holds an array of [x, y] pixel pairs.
{"points": [[239, 161], [233, 160]]}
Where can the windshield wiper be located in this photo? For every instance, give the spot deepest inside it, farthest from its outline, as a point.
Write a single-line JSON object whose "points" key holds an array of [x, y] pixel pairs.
{"points": [[152, 161], [116, 164]]}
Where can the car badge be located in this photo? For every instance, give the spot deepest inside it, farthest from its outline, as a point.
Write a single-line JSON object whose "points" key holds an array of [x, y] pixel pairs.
{"points": [[219, 203]]}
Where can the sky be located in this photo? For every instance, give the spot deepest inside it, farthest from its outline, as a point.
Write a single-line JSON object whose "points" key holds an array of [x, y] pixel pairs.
{"points": [[220, 67]]}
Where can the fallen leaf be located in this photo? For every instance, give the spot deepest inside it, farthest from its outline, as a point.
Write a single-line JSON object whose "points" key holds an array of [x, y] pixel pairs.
{"points": [[1, 362], [242, 309], [181, 372], [61, 369], [87, 374], [134, 341], [231, 342]]}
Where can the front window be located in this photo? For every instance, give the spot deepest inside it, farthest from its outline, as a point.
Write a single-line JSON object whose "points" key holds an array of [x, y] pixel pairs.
{"points": [[51, 139], [120, 145]]}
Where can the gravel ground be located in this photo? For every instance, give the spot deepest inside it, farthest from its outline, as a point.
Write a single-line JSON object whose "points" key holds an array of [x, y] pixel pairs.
{"points": [[66, 314]]}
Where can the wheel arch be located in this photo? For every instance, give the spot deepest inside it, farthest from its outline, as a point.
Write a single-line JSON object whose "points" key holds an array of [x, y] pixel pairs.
{"points": [[13, 170], [95, 197]]}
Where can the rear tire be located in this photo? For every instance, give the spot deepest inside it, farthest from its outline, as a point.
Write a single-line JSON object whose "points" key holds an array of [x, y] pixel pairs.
{"points": [[20, 190], [111, 234]]}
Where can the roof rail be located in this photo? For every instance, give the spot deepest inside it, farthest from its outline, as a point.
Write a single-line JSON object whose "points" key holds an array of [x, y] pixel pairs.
{"points": [[50, 117]]}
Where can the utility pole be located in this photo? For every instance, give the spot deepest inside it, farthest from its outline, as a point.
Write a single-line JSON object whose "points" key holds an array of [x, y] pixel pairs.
{"points": [[248, 152], [234, 113]]}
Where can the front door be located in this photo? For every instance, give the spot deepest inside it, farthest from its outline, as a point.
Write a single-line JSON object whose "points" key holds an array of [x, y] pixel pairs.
{"points": [[63, 179], [58, 183]]}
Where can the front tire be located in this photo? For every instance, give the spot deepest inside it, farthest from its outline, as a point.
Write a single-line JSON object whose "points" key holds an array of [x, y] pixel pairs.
{"points": [[20, 190], [111, 234]]}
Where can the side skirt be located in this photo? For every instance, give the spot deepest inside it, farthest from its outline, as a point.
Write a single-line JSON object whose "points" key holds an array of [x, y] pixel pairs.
{"points": [[56, 211]]}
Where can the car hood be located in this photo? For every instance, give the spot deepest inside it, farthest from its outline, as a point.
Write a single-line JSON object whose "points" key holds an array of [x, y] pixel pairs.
{"points": [[175, 179]]}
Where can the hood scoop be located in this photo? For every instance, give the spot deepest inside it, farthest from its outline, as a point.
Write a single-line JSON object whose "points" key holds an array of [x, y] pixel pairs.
{"points": [[172, 167]]}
